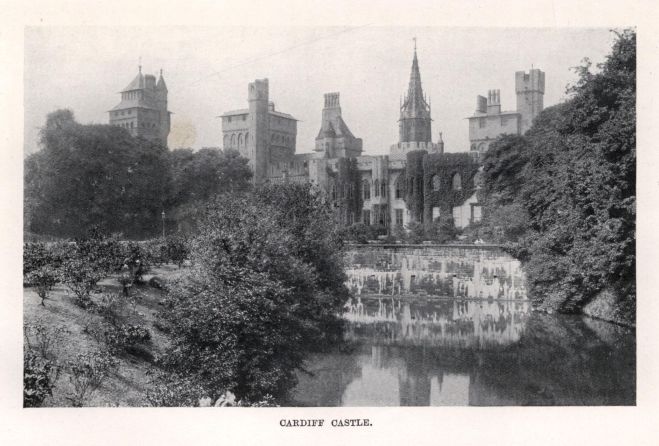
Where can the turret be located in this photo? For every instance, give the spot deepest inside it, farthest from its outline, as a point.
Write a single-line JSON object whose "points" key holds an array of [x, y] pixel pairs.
{"points": [[530, 90], [256, 149]]}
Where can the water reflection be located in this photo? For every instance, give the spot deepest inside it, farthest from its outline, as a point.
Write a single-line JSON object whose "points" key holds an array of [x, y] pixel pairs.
{"points": [[453, 322], [470, 352], [448, 272]]}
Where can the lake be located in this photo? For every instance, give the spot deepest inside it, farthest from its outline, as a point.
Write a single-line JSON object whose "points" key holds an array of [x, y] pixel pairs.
{"points": [[442, 326]]}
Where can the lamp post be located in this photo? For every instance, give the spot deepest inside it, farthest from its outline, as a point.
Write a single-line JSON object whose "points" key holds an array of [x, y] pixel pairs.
{"points": [[163, 224]]}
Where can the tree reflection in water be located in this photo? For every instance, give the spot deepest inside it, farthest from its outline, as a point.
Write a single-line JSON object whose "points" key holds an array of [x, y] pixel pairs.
{"points": [[471, 352]]}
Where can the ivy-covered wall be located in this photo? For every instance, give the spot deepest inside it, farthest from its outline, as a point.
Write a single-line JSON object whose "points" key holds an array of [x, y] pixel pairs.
{"points": [[348, 195], [414, 183], [441, 186]]}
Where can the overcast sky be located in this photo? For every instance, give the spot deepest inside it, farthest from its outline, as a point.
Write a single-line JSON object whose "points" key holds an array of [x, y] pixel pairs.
{"points": [[207, 71]]}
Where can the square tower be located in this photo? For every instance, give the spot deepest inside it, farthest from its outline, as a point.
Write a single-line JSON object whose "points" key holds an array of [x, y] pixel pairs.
{"points": [[530, 89]]}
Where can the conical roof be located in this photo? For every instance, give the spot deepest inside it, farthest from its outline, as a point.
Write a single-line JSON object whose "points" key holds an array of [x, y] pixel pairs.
{"points": [[415, 105], [137, 83], [161, 83]]}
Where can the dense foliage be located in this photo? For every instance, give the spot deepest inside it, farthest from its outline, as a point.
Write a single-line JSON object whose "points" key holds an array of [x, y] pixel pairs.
{"points": [[564, 193], [99, 175], [265, 287]]}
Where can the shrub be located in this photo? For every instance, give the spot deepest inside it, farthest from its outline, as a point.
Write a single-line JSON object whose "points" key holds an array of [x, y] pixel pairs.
{"points": [[87, 372], [42, 340], [43, 279], [35, 256], [39, 378], [138, 261], [124, 338], [177, 250], [81, 277]]}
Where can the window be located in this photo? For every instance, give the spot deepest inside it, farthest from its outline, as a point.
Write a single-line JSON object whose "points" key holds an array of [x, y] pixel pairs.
{"points": [[475, 213], [240, 140], [383, 188], [411, 186], [457, 182], [333, 191], [457, 217], [399, 217], [233, 140], [376, 188], [436, 182], [482, 122], [246, 138], [473, 147], [435, 213], [366, 187], [366, 217], [399, 189]]}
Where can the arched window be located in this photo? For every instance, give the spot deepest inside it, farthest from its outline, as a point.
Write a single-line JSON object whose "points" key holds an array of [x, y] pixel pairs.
{"points": [[333, 191], [383, 188], [246, 138], [436, 182], [366, 186], [240, 139], [481, 147], [473, 147], [376, 188], [410, 188], [233, 140], [457, 181], [399, 189]]}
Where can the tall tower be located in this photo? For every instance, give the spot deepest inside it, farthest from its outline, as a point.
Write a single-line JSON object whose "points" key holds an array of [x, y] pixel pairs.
{"points": [[335, 140], [161, 101], [415, 121], [256, 147], [530, 89], [143, 108]]}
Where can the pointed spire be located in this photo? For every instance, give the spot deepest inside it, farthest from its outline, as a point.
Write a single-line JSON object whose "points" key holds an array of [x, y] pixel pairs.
{"points": [[415, 121]]}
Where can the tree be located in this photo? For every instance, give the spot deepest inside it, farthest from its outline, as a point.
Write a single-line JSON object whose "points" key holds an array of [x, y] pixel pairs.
{"points": [[94, 175], [571, 184], [259, 295]]}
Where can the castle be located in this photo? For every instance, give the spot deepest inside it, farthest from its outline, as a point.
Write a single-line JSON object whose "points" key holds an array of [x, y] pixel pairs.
{"points": [[415, 182], [143, 108]]}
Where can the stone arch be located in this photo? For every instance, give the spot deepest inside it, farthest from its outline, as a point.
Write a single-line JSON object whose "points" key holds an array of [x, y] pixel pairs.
{"points": [[233, 140], [240, 139], [246, 138], [482, 147]]}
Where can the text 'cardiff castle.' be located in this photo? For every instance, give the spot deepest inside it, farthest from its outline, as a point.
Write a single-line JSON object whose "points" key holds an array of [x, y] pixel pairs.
{"points": [[415, 182]]}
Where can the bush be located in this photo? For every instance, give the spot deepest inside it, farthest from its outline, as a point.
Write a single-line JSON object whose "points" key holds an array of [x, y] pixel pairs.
{"points": [[39, 378], [42, 340], [265, 288], [35, 256], [124, 338], [177, 250], [43, 279], [138, 261], [81, 277], [87, 372]]}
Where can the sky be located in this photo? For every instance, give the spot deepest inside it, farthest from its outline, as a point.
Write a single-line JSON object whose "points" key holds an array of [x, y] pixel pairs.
{"points": [[207, 71]]}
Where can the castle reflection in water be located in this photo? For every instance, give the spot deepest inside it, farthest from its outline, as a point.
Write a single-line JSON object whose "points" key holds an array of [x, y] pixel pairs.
{"points": [[453, 326]]}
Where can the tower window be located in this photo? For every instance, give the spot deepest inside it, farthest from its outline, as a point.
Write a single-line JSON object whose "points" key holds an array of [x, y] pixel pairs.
{"points": [[376, 188], [366, 217], [457, 182], [436, 182], [399, 191]]}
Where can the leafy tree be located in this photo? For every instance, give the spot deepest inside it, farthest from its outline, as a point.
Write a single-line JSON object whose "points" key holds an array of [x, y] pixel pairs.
{"points": [[259, 295], [566, 190], [94, 175]]}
